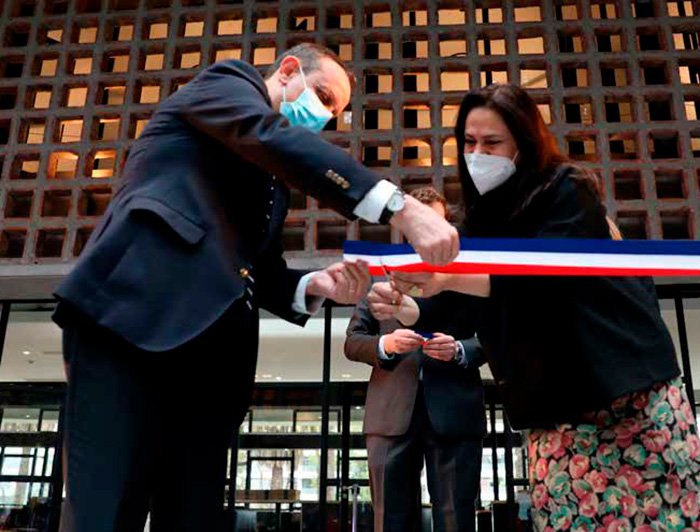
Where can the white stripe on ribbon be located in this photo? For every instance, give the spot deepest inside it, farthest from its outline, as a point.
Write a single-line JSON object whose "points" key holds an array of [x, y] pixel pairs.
{"points": [[544, 257], [579, 260]]}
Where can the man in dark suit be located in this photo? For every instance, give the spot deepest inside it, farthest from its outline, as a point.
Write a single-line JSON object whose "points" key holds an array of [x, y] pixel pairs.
{"points": [[424, 401], [160, 314]]}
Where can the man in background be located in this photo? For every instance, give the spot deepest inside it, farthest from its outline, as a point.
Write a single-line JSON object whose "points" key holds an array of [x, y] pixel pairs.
{"points": [[424, 402]]}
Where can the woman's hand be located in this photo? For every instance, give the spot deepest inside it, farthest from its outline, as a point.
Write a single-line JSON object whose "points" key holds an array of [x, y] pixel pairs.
{"points": [[386, 303], [420, 284], [441, 347], [430, 284]]}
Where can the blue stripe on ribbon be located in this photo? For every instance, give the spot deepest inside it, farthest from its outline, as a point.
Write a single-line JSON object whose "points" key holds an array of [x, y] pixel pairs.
{"points": [[542, 245]]}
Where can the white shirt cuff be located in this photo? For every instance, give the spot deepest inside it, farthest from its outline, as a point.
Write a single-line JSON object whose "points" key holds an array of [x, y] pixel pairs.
{"points": [[461, 357], [299, 304], [372, 205], [382, 353]]}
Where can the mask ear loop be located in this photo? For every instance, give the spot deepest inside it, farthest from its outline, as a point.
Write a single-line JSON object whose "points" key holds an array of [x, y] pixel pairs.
{"points": [[303, 77], [284, 87]]}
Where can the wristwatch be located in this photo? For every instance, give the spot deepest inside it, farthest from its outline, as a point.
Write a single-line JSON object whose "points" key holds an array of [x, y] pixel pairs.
{"points": [[396, 203]]}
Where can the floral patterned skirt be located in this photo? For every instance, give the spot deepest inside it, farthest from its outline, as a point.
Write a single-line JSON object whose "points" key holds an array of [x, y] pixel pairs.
{"points": [[634, 467]]}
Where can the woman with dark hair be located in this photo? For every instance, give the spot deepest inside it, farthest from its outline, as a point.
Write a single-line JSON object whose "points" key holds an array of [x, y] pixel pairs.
{"points": [[585, 363]]}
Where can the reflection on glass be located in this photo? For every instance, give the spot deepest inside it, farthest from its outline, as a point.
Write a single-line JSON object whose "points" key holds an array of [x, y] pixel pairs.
{"points": [[310, 421], [20, 420], [365, 495], [49, 421], [520, 463], [357, 414], [306, 473], [692, 315], [487, 480], [245, 426], [241, 469], [272, 420], [17, 465], [307, 463], [40, 462], [32, 350], [270, 469], [359, 469]]}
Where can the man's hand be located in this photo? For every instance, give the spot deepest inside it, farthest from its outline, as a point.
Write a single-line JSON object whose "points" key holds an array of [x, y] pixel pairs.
{"points": [[433, 238], [402, 341], [343, 282], [441, 347], [419, 284]]}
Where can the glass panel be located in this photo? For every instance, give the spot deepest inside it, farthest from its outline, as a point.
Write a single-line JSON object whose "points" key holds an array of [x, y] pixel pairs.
{"points": [[692, 318], [270, 469], [14, 494], [24, 506], [487, 479], [49, 421], [272, 420], [49, 460], [39, 462], [359, 469], [16, 465], [245, 426], [306, 468], [32, 350], [310, 421], [357, 415], [289, 353], [307, 463], [241, 469], [520, 463], [20, 419]]}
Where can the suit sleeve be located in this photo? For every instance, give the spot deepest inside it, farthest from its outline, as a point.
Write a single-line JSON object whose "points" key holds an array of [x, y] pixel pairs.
{"points": [[362, 337], [454, 314], [442, 312], [225, 104], [473, 352], [276, 283], [574, 212]]}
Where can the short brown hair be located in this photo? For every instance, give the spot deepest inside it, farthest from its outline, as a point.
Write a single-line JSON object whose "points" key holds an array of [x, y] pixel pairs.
{"points": [[428, 196], [309, 54]]}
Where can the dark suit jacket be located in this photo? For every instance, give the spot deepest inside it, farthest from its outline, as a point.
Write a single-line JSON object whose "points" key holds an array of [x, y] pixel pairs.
{"points": [[561, 346], [199, 204], [454, 395]]}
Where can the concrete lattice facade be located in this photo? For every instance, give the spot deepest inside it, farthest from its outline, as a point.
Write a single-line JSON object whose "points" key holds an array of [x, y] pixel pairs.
{"points": [[619, 82]]}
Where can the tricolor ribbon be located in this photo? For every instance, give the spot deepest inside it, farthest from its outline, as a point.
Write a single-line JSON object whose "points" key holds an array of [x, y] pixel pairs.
{"points": [[540, 257]]}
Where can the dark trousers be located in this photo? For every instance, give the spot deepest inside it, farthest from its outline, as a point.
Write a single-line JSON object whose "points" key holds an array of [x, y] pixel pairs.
{"points": [[150, 431], [453, 469]]}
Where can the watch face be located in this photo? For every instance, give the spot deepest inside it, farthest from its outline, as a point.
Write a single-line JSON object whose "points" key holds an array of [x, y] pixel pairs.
{"points": [[396, 203]]}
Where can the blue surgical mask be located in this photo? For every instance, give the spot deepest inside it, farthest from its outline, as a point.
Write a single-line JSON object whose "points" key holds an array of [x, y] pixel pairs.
{"points": [[307, 110]]}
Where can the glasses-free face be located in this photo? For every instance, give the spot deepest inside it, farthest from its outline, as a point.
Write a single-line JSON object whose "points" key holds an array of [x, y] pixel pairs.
{"points": [[485, 132], [329, 81]]}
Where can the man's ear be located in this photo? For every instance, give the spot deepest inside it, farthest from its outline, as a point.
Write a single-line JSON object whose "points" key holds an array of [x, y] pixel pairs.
{"points": [[289, 66]]}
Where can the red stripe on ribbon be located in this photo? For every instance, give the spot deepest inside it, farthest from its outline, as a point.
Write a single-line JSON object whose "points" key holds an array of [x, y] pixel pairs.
{"points": [[529, 269]]}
